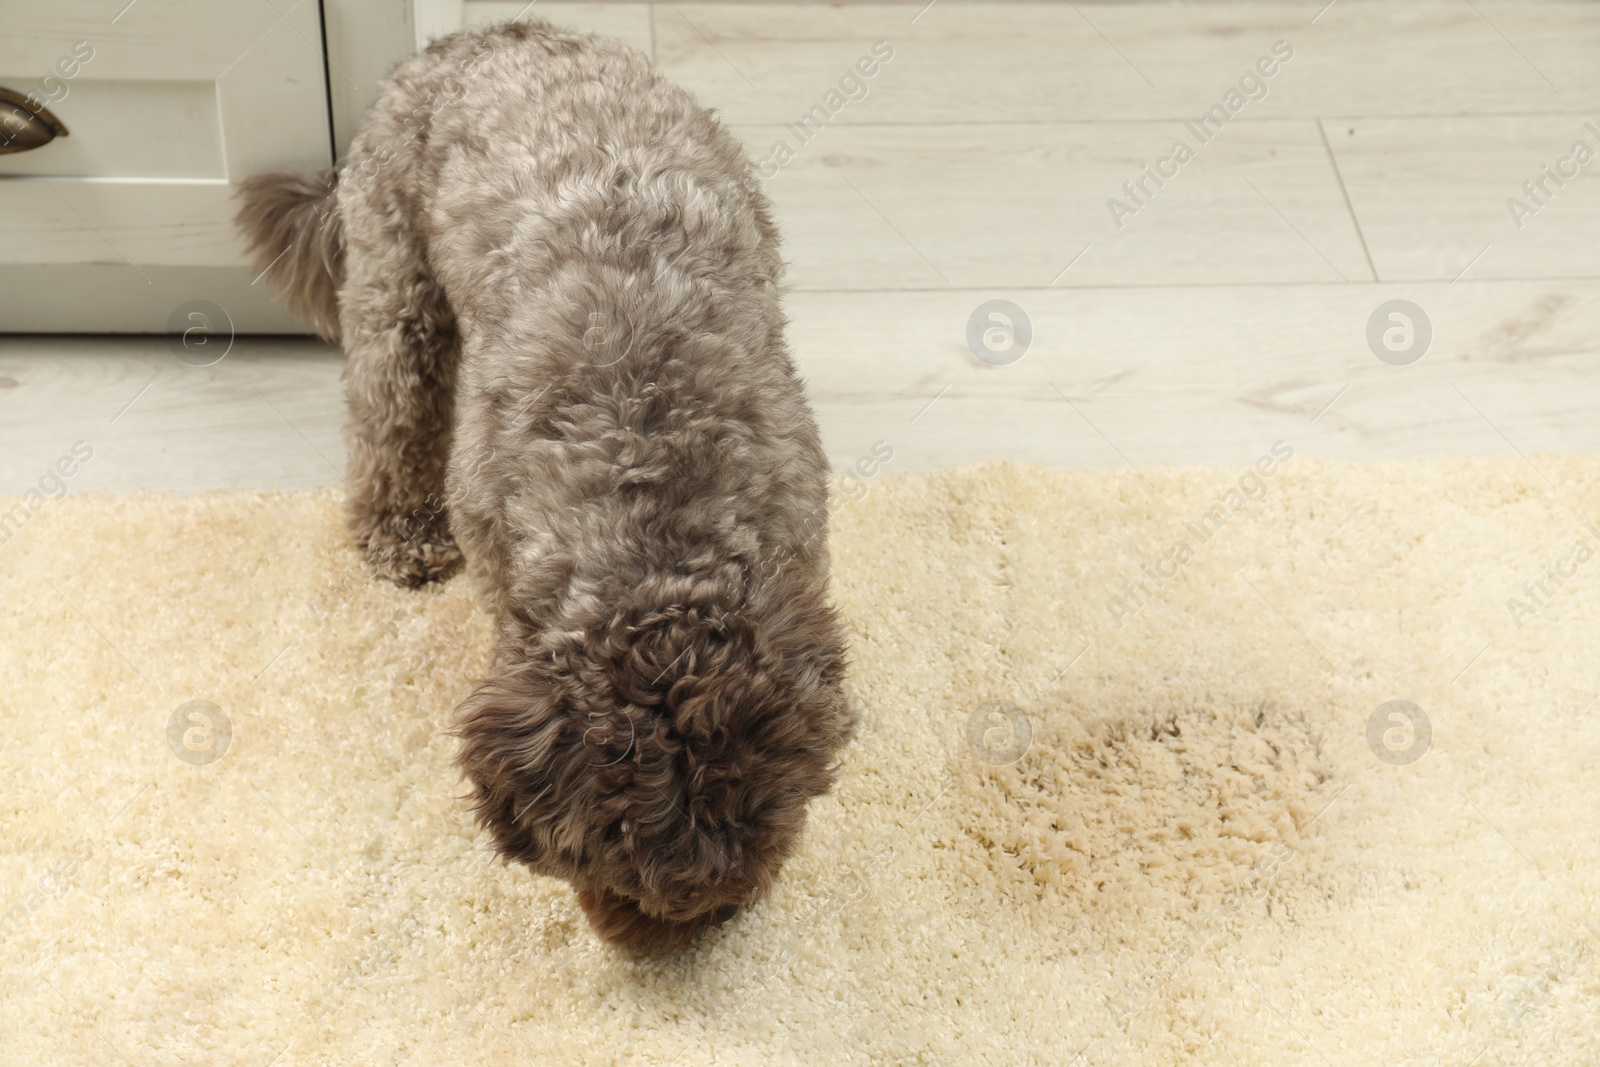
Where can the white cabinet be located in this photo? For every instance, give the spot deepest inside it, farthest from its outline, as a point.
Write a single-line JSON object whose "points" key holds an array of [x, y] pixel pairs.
{"points": [[128, 217]]}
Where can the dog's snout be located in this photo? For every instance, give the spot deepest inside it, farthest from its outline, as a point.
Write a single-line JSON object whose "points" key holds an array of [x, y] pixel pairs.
{"points": [[619, 920]]}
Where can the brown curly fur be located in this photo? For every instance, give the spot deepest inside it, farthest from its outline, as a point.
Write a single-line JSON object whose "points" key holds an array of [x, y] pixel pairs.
{"points": [[557, 287]]}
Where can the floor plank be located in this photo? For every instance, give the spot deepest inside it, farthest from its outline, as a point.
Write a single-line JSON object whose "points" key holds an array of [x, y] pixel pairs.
{"points": [[1113, 378], [1020, 62], [1433, 195], [1002, 205], [1173, 376], [266, 416]]}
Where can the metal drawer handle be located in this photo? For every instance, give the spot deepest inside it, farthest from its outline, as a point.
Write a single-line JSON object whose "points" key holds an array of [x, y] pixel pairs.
{"points": [[22, 128]]}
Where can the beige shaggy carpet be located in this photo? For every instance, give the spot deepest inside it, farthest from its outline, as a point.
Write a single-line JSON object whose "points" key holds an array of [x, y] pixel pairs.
{"points": [[1185, 826]]}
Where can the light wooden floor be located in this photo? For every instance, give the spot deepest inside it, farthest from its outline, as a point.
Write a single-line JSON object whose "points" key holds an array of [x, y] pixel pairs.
{"points": [[1230, 310]]}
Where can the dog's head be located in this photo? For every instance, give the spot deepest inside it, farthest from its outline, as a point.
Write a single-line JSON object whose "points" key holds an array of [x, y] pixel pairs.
{"points": [[662, 762]]}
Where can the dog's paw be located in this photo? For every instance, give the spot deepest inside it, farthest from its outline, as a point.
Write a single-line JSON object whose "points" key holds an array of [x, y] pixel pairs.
{"points": [[415, 556]]}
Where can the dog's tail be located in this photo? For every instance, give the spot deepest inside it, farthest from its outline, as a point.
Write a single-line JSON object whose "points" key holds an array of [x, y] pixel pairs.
{"points": [[291, 223]]}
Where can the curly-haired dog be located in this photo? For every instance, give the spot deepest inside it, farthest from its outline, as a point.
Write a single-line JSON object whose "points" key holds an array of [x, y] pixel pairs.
{"points": [[556, 281]]}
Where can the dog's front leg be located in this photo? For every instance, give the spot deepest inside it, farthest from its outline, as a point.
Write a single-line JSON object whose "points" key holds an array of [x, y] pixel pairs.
{"points": [[402, 350]]}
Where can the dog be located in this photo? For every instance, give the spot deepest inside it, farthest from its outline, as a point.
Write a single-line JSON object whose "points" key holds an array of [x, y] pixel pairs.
{"points": [[557, 283]]}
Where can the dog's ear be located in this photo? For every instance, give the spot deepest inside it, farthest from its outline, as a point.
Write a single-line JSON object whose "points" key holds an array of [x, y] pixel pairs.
{"points": [[526, 762]]}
